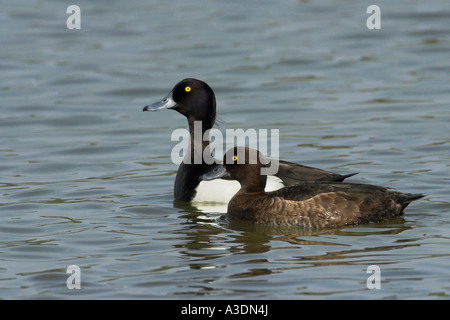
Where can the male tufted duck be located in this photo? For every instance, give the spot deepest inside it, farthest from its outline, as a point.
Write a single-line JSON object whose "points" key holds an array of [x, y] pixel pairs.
{"points": [[196, 101], [307, 204]]}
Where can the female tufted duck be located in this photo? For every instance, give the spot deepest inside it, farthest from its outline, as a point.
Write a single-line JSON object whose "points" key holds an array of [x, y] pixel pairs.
{"points": [[308, 204], [196, 101]]}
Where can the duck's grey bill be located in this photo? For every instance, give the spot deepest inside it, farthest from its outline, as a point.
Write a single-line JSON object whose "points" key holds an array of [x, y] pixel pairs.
{"points": [[216, 172], [166, 103]]}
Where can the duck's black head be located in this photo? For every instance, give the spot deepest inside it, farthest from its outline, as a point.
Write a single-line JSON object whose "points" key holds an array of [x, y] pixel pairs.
{"points": [[244, 165], [191, 97]]}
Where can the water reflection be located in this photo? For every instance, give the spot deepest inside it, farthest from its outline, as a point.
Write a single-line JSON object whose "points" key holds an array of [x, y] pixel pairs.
{"points": [[202, 229], [232, 257]]}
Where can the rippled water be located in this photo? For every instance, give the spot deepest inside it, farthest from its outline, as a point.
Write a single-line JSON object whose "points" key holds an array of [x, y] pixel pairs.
{"points": [[86, 178]]}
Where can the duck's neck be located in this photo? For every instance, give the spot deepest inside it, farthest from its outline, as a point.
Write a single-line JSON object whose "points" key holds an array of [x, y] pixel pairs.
{"points": [[253, 183], [198, 141], [252, 188], [193, 165]]}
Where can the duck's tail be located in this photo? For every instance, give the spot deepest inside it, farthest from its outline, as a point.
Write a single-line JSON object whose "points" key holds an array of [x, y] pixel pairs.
{"points": [[345, 176], [407, 198]]}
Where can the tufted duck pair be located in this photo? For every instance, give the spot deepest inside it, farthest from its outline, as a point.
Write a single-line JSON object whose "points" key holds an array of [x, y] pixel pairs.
{"points": [[296, 195]]}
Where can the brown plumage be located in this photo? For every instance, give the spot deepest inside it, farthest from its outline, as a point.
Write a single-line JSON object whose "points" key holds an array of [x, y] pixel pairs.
{"points": [[309, 204]]}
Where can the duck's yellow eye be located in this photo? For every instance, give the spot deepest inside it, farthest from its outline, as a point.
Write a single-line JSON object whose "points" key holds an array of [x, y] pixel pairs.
{"points": [[187, 89], [234, 158]]}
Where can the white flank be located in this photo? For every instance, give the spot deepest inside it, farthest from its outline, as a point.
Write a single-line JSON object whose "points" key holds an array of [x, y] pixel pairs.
{"points": [[221, 191]]}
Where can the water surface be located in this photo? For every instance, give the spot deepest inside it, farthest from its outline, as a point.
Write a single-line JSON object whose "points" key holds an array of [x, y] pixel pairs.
{"points": [[86, 178]]}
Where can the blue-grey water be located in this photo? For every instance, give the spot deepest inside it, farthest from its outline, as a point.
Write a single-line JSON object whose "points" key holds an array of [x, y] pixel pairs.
{"points": [[86, 177]]}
